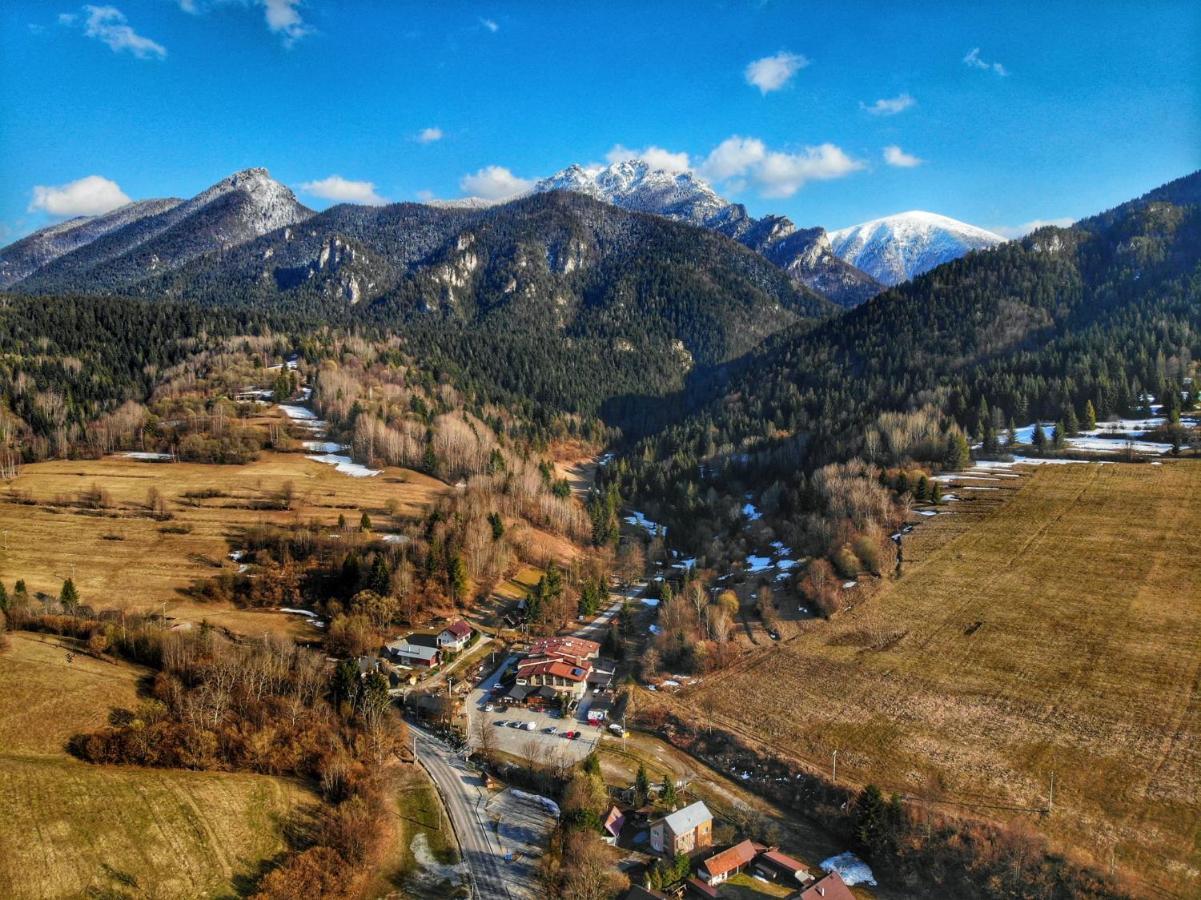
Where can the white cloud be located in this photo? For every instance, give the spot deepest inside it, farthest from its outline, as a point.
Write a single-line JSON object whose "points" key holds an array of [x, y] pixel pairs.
{"points": [[343, 190], [67, 19], [773, 72], [973, 61], [1017, 231], [108, 25], [733, 156], [188, 6], [895, 156], [656, 157], [284, 19], [490, 24], [88, 196], [494, 183], [783, 174], [889, 106], [429, 135]]}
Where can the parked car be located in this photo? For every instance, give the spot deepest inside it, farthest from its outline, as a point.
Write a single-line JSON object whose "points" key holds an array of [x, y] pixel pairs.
{"points": [[489, 707], [775, 635], [500, 723], [617, 729], [529, 726], [551, 729], [569, 734]]}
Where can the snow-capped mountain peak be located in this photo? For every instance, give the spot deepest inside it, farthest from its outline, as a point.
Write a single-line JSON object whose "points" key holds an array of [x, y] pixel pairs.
{"points": [[635, 184], [896, 248]]}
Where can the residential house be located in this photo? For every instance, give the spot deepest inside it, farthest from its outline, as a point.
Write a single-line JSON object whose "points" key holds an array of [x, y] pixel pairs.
{"points": [[776, 866], [612, 824], [574, 647], [828, 887], [455, 636], [416, 650], [684, 831], [720, 866]]}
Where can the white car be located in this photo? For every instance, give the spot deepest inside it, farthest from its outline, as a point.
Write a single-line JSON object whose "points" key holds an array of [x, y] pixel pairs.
{"points": [[529, 726], [490, 707]]}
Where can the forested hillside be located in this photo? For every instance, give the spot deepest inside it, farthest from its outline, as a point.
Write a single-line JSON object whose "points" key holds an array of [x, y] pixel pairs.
{"points": [[1101, 314]]}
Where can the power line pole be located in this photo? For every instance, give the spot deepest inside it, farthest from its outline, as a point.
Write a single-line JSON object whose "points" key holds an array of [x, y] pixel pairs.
{"points": [[1051, 797], [834, 776]]}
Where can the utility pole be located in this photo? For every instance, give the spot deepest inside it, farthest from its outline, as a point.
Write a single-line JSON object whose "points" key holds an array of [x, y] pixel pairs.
{"points": [[834, 777], [1051, 798]]}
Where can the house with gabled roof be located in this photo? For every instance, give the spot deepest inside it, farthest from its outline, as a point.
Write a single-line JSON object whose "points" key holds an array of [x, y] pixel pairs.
{"points": [[683, 831], [720, 866], [828, 887], [455, 635]]}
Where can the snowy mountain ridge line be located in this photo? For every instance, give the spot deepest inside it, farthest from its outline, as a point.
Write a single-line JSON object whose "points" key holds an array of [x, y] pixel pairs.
{"points": [[899, 247]]}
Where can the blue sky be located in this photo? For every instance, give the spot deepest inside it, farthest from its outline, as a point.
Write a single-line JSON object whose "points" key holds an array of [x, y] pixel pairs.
{"points": [[998, 114]]}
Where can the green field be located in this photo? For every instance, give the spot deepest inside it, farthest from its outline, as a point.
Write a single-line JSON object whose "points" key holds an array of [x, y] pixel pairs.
{"points": [[1059, 633]]}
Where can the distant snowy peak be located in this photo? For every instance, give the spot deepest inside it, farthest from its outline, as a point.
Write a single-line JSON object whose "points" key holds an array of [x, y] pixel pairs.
{"points": [[900, 247], [633, 184]]}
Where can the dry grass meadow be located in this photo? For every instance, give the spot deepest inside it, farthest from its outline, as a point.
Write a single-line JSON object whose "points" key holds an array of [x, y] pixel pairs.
{"points": [[1059, 633], [123, 558], [69, 829]]}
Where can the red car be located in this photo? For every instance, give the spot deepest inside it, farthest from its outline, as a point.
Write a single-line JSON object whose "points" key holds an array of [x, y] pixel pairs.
{"points": [[570, 735]]}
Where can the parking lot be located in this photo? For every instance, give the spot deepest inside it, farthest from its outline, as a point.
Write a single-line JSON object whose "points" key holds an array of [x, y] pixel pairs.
{"points": [[547, 738]]}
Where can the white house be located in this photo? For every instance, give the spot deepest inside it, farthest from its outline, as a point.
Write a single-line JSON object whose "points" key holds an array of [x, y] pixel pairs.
{"points": [[455, 635]]}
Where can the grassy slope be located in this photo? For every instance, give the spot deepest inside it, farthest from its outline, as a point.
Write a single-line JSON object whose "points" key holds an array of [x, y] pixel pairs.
{"points": [[148, 566], [1086, 663], [71, 829]]}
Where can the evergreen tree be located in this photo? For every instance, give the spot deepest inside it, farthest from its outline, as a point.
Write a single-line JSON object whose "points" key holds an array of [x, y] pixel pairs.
{"points": [[456, 578], [1011, 437], [1090, 416], [642, 786], [670, 797], [1072, 424], [365, 522], [498, 525], [959, 454], [1039, 438], [3, 597], [345, 682], [68, 596], [1057, 436], [935, 492]]}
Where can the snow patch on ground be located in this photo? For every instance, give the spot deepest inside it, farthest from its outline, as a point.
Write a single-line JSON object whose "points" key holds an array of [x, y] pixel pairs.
{"points": [[758, 563], [850, 868], [638, 519], [344, 464], [324, 446], [548, 804], [146, 456]]}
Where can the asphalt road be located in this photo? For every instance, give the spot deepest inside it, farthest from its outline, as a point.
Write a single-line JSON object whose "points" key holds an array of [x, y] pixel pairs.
{"points": [[463, 795]]}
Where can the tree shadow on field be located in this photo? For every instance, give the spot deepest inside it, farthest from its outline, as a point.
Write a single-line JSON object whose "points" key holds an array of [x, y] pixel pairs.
{"points": [[298, 829], [120, 886]]}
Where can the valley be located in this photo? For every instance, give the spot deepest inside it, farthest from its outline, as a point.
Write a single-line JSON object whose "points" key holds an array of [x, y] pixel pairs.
{"points": [[599, 536]]}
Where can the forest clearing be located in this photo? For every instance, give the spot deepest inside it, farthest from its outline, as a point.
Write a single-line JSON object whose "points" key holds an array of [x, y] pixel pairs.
{"points": [[91, 520]]}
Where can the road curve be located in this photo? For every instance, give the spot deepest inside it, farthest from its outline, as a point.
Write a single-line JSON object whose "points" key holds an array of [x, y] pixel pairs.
{"points": [[463, 796]]}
